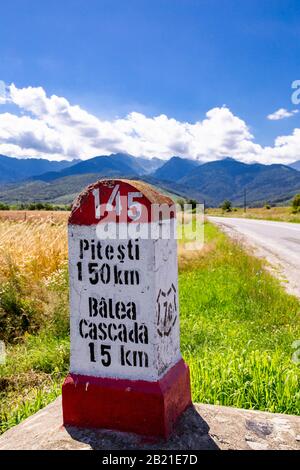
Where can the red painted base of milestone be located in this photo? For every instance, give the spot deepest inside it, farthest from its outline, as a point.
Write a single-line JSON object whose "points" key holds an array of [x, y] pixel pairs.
{"points": [[146, 408]]}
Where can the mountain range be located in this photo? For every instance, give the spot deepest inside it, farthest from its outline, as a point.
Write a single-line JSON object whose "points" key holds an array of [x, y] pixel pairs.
{"points": [[27, 180], [18, 169], [118, 164]]}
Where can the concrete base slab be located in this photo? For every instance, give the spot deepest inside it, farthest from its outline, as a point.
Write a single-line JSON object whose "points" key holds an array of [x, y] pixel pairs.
{"points": [[202, 427]]}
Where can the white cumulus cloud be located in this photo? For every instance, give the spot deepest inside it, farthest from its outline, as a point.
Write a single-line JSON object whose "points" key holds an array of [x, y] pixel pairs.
{"points": [[54, 128], [281, 113]]}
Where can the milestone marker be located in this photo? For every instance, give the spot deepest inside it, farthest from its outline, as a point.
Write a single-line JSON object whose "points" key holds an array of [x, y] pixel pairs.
{"points": [[126, 370]]}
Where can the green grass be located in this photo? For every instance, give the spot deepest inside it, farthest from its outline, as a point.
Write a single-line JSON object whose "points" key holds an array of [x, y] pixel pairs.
{"points": [[32, 376], [276, 214], [237, 330], [37, 364]]}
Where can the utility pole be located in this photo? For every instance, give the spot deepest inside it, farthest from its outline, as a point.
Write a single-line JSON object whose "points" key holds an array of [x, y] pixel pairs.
{"points": [[245, 200]]}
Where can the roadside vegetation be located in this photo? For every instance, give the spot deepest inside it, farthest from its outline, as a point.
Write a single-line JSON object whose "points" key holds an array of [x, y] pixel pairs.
{"points": [[33, 315], [296, 204], [237, 329], [237, 322], [280, 214]]}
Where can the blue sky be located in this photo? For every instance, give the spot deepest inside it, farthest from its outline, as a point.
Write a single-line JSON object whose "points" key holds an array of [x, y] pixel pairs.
{"points": [[179, 58]]}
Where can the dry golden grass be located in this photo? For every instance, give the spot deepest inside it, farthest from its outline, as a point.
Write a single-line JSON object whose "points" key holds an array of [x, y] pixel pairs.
{"points": [[33, 216], [189, 258], [282, 214], [36, 249], [33, 272]]}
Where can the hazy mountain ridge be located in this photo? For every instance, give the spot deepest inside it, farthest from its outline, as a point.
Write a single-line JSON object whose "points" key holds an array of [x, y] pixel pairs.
{"points": [[104, 165], [118, 164], [175, 169], [295, 165], [21, 169], [18, 169]]}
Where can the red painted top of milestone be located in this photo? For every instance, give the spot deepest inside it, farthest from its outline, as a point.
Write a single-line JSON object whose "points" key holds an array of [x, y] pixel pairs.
{"points": [[118, 201]]}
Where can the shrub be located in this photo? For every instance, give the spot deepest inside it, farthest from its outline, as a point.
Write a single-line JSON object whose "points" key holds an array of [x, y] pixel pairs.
{"points": [[226, 206], [17, 314], [296, 203]]}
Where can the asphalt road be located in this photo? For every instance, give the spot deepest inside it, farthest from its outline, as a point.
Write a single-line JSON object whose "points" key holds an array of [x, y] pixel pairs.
{"points": [[278, 242]]}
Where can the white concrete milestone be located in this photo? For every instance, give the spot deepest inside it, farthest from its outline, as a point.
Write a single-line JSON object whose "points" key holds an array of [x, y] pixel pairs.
{"points": [[126, 370]]}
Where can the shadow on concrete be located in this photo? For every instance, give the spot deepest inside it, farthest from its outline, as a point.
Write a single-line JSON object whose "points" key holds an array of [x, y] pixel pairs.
{"points": [[190, 433]]}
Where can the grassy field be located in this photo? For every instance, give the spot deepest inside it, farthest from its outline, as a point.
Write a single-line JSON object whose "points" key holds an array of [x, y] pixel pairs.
{"points": [[282, 214], [237, 323]]}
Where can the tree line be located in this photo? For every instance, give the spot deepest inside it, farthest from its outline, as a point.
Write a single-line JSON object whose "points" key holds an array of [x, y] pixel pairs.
{"points": [[226, 205], [34, 206]]}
